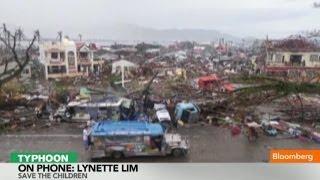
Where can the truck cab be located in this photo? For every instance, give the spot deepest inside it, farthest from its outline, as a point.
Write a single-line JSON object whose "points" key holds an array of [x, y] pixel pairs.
{"points": [[187, 112]]}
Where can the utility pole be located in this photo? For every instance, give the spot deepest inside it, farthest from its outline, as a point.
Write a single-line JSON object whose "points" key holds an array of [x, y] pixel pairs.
{"points": [[122, 75]]}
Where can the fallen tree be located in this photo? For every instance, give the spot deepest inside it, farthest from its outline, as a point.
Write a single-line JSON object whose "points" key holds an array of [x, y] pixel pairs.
{"points": [[268, 89]]}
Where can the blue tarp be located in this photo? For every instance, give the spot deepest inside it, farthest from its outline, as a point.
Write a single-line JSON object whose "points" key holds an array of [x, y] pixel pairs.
{"points": [[128, 128]]}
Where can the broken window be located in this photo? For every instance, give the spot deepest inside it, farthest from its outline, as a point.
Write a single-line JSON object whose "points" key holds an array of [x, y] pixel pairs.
{"points": [[54, 55], [62, 56], [26, 71], [270, 57], [296, 60], [56, 69], [95, 68], [63, 69], [83, 55], [314, 57], [71, 58], [279, 58]]}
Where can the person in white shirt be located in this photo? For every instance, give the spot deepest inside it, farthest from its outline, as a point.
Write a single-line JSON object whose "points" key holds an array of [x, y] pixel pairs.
{"points": [[86, 138]]}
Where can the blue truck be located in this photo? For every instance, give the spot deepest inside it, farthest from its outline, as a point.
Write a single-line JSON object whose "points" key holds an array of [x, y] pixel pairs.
{"points": [[134, 138], [187, 112]]}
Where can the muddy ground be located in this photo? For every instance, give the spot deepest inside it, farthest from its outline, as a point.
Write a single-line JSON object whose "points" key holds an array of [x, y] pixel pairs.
{"points": [[208, 144]]}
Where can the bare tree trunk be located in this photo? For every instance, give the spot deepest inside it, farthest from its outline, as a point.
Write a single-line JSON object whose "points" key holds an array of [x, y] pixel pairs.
{"points": [[301, 107], [13, 59]]}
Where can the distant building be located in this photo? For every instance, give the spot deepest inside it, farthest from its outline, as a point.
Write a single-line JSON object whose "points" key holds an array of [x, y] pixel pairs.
{"points": [[117, 66], [292, 55], [152, 52], [181, 55], [199, 49], [68, 59], [106, 56], [87, 63]]}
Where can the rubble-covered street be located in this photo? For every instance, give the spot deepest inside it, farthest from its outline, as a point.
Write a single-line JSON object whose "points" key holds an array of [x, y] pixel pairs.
{"points": [[208, 144]]}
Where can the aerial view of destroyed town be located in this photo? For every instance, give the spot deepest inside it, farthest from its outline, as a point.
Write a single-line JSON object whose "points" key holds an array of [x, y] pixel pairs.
{"points": [[159, 80]]}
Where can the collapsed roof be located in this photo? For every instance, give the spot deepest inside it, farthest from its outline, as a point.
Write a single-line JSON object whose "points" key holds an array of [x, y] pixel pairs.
{"points": [[299, 44]]}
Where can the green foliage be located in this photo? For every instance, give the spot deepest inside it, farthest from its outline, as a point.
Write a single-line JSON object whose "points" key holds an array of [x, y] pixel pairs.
{"points": [[246, 79], [142, 47], [61, 91], [13, 87], [114, 78]]}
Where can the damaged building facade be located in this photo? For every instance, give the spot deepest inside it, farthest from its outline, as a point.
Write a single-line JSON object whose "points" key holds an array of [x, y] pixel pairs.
{"points": [[66, 58], [292, 55]]}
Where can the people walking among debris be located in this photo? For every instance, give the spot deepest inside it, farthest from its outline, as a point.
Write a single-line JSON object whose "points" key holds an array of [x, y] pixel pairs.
{"points": [[235, 130], [253, 135], [86, 137]]}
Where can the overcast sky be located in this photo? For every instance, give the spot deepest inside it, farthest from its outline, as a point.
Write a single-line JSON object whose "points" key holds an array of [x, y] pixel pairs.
{"points": [[91, 18]]}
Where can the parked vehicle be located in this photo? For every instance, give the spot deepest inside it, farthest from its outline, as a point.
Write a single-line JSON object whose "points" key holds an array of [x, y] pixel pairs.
{"points": [[4, 121], [163, 116], [63, 113], [187, 112], [85, 110], [134, 138]]}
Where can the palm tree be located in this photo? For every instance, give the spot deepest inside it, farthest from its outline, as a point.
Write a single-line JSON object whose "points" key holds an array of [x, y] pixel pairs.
{"points": [[37, 33], [80, 37], [19, 34]]}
